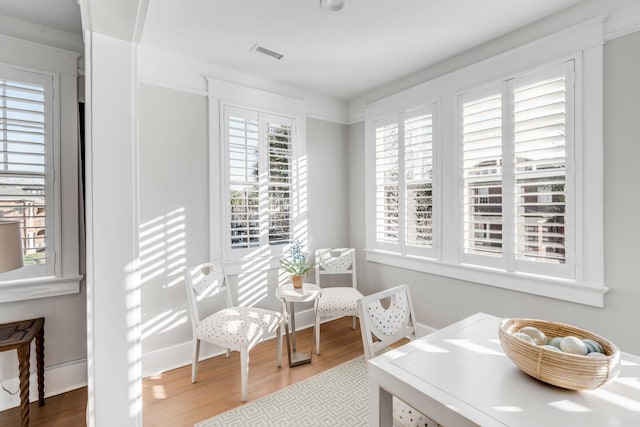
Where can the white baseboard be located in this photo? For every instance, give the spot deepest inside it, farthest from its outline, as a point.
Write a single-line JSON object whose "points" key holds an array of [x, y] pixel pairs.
{"points": [[57, 379]]}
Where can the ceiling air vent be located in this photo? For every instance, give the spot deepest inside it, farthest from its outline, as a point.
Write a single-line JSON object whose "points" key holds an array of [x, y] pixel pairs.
{"points": [[267, 52]]}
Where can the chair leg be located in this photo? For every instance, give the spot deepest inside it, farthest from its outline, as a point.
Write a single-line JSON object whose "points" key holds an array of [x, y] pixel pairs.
{"points": [[227, 352], [317, 334], [194, 364], [279, 332], [354, 323], [244, 371]]}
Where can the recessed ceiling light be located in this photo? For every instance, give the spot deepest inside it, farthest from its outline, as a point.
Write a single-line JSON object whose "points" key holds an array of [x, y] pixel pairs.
{"points": [[333, 5]]}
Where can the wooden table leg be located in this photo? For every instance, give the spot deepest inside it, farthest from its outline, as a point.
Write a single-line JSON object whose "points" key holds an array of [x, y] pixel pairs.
{"points": [[40, 364], [24, 352]]}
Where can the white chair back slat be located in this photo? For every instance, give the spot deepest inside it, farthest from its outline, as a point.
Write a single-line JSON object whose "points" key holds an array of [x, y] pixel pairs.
{"points": [[337, 261], [340, 262], [382, 326], [202, 281], [391, 320]]}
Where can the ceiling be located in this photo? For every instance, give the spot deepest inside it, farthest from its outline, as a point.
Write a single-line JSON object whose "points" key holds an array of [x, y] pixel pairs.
{"points": [[342, 55], [63, 15]]}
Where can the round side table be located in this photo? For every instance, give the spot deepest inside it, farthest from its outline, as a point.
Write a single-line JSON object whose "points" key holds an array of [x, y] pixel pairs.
{"points": [[289, 296]]}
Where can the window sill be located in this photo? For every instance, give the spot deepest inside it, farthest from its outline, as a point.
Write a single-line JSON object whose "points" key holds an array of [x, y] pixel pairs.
{"points": [[41, 287], [566, 290]]}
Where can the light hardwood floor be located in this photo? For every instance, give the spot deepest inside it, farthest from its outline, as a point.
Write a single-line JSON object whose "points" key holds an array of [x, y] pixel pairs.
{"points": [[171, 400]]}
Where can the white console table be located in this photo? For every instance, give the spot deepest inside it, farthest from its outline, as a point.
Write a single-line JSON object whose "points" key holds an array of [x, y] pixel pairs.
{"points": [[459, 376]]}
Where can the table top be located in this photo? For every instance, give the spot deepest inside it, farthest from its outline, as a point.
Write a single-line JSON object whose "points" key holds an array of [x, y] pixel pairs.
{"points": [[15, 334], [463, 369], [308, 292]]}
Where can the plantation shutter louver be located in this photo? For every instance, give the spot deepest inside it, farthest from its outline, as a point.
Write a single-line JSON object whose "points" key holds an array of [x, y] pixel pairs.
{"points": [[482, 174], [540, 170], [23, 165], [387, 184], [418, 154]]}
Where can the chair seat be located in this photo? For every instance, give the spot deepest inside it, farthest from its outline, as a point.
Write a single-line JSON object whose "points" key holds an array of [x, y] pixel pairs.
{"points": [[239, 326], [334, 300]]}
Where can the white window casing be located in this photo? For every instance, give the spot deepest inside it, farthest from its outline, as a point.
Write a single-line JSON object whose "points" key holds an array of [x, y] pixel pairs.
{"points": [[405, 187], [257, 175], [39, 115], [517, 209], [518, 174], [26, 170]]}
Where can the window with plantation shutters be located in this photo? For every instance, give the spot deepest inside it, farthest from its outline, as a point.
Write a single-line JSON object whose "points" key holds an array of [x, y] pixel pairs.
{"points": [[499, 180], [280, 143], [39, 168], [24, 147], [387, 184], [482, 173], [515, 149], [540, 157], [418, 157], [259, 159], [243, 150], [404, 182]]}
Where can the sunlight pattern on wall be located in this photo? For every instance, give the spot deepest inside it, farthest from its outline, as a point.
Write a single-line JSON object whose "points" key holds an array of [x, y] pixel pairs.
{"points": [[162, 263]]}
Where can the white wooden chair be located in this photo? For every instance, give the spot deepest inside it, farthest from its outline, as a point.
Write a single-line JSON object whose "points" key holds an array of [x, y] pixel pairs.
{"points": [[383, 324], [233, 327], [336, 301]]}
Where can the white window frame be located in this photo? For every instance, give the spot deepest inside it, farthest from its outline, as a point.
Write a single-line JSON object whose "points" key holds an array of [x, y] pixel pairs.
{"points": [[401, 246], [508, 262], [584, 45], [223, 94], [61, 274], [51, 154]]}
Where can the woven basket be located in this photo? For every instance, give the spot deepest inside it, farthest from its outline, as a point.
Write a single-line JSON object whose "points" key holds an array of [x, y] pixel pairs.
{"points": [[570, 371]]}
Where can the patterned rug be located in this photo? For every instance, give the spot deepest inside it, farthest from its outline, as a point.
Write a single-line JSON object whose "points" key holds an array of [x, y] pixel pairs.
{"points": [[336, 397]]}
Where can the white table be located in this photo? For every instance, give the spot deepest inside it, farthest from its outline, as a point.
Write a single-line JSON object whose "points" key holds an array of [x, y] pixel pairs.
{"points": [[290, 295], [459, 376]]}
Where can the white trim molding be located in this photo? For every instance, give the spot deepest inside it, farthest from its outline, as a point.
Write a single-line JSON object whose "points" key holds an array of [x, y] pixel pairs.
{"points": [[41, 287]]}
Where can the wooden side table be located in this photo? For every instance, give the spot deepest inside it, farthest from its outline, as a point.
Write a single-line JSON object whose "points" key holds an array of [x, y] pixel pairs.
{"points": [[18, 336]]}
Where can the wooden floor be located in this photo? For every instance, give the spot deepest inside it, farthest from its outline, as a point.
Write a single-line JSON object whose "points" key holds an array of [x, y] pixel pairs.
{"points": [[170, 399]]}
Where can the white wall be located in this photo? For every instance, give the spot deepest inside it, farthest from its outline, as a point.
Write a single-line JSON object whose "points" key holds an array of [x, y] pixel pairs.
{"points": [[328, 174], [440, 300], [174, 208]]}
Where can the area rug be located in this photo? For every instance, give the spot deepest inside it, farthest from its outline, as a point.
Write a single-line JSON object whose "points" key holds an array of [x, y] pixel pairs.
{"points": [[336, 397]]}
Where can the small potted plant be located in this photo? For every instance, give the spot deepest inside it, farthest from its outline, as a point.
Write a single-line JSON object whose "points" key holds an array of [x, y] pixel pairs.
{"points": [[296, 264]]}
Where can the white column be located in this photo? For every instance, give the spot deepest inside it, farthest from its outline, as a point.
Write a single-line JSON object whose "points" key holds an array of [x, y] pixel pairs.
{"points": [[113, 303]]}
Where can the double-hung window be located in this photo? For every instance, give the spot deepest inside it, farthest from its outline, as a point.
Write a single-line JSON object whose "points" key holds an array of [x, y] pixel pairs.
{"points": [[259, 169], [517, 157], [39, 182], [26, 170], [404, 182], [258, 184]]}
